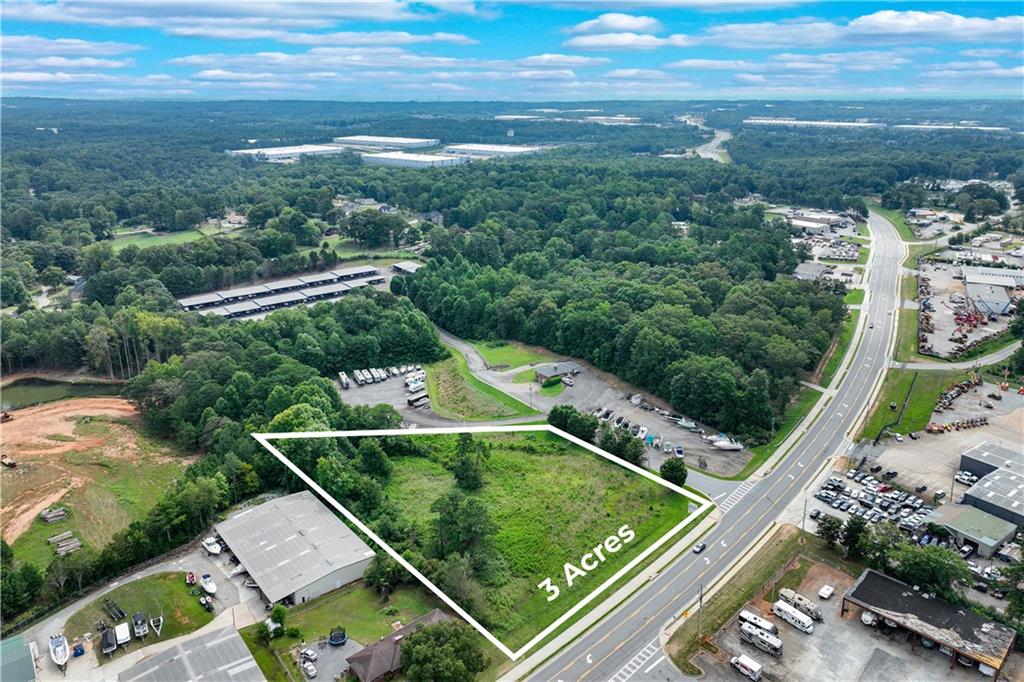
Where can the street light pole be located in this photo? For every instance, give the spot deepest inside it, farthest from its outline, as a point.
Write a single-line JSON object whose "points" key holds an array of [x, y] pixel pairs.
{"points": [[700, 611]]}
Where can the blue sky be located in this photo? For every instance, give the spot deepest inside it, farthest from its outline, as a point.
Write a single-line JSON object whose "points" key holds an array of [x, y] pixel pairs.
{"points": [[511, 50]]}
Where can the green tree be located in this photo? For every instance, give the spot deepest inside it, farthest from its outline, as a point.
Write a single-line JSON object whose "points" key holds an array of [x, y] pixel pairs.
{"points": [[278, 614], [830, 529], [443, 652], [373, 460], [384, 574], [674, 471], [934, 569], [877, 545], [853, 530]]}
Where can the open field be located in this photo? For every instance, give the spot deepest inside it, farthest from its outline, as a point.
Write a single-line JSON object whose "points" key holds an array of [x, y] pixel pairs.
{"points": [[552, 502], [906, 338], [916, 251], [510, 354], [908, 288], [795, 411], [854, 297], [144, 239], [840, 349], [457, 394], [87, 456], [895, 388], [761, 574], [358, 609], [163, 593], [897, 220]]}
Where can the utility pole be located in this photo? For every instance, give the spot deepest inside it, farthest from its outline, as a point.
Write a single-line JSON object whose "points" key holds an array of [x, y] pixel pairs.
{"points": [[803, 516], [700, 611]]}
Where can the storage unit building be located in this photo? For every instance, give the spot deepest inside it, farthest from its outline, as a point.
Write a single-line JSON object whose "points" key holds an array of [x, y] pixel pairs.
{"points": [[951, 625], [295, 548], [219, 655], [406, 267]]}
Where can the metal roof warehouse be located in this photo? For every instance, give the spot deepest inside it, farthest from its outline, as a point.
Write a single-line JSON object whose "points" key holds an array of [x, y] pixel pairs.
{"points": [[219, 655], [280, 292], [947, 624], [295, 548]]}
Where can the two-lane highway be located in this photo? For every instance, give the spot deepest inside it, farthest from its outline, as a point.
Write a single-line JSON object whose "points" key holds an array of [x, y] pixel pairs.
{"points": [[624, 645]]}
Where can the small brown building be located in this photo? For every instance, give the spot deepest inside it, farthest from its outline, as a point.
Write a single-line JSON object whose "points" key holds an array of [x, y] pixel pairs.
{"points": [[384, 657]]}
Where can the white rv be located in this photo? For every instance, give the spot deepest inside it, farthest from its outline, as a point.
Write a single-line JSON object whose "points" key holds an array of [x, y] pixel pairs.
{"points": [[800, 621], [801, 603], [768, 643], [759, 622]]}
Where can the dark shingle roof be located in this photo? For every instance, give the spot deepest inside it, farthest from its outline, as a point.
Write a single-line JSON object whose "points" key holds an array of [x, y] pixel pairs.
{"points": [[385, 655]]}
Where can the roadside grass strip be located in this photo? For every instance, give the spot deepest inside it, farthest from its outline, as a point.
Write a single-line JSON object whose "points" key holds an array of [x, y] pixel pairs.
{"points": [[555, 500]]}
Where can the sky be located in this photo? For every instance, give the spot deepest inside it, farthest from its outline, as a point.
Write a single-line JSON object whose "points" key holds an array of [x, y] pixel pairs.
{"points": [[377, 50]]}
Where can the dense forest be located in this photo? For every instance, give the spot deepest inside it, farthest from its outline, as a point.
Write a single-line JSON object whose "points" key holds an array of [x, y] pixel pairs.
{"points": [[597, 248]]}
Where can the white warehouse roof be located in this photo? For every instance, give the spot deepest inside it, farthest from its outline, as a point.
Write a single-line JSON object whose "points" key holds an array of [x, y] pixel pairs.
{"points": [[491, 149], [291, 542], [294, 151], [405, 159], [383, 141], [220, 655]]}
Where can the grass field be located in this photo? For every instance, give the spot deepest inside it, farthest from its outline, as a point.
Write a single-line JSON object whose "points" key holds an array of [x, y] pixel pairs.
{"points": [[120, 474], [906, 337], [356, 608], [457, 394], [759, 575], [854, 297], [797, 410], [862, 257], [552, 502], [988, 346], [164, 593], [908, 288], [863, 231], [145, 239], [916, 251], [510, 354], [840, 349], [552, 391], [897, 220], [895, 388]]}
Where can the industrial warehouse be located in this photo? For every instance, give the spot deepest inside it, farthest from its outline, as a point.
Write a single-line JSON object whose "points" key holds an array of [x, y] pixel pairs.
{"points": [[217, 655], [487, 151], [383, 142], [407, 160], [955, 630], [282, 293], [294, 548], [1000, 486], [287, 154]]}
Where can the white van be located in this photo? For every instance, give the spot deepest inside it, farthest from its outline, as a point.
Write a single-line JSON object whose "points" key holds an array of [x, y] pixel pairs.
{"points": [[759, 622], [747, 666], [800, 621]]}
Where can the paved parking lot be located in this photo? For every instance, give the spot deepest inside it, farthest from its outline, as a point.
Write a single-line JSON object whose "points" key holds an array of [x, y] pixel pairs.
{"points": [[840, 648], [330, 663]]}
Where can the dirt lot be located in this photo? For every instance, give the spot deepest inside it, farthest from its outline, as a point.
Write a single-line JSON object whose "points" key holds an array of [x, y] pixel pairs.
{"points": [[86, 454], [841, 648]]}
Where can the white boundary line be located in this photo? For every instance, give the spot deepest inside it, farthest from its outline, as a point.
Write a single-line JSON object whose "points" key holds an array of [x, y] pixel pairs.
{"points": [[703, 504]]}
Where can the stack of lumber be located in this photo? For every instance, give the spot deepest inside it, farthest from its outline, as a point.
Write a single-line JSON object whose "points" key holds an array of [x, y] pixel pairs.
{"points": [[53, 515], [65, 543]]}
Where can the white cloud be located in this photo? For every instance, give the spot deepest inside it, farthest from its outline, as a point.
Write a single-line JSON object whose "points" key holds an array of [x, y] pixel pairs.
{"points": [[969, 71], [625, 41], [562, 60], [896, 26], [637, 74], [615, 22], [335, 38], [987, 52], [750, 78], [170, 13], [64, 46], [713, 64], [224, 74], [67, 63]]}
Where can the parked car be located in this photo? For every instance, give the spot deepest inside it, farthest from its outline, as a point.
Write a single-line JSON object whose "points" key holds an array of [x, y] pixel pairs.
{"points": [[308, 655], [679, 451], [815, 513], [309, 668]]}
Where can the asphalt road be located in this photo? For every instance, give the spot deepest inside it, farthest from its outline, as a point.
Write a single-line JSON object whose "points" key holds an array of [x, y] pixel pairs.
{"points": [[625, 645]]}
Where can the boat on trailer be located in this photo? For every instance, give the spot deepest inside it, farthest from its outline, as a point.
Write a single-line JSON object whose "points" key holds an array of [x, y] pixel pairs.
{"points": [[140, 625], [108, 642], [157, 624], [59, 651], [211, 545]]}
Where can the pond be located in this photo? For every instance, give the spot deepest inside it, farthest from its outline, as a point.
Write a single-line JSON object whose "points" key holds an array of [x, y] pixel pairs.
{"points": [[25, 392]]}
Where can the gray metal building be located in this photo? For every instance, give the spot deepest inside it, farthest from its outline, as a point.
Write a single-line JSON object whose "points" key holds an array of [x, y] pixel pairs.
{"points": [[218, 656], [295, 547], [1000, 487]]}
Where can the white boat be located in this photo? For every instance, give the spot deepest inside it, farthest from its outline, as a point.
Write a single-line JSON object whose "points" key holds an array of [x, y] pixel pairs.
{"points": [[211, 545], [122, 634], [727, 444], [157, 624], [206, 582], [140, 625], [59, 651], [237, 570]]}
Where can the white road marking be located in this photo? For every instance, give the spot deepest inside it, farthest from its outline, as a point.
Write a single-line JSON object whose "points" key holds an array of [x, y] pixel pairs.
{"points": [[655, 664], [627, 671], [736, 496]]}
